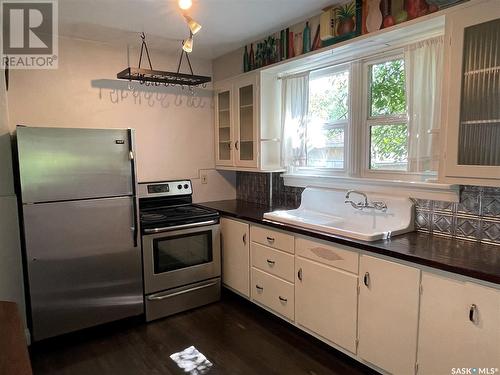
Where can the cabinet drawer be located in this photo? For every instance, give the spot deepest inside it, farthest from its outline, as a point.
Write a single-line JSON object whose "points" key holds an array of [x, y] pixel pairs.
{"points": [[272, 292], [332, 255], [272, 238], [275, 262]]}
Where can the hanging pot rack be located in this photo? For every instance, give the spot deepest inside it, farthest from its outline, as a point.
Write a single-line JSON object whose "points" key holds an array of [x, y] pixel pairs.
{"points": [[159, 77]]}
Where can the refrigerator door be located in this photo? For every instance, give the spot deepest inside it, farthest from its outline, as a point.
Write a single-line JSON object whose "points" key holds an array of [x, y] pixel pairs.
{"points": [[83, 268], [65, 164]]}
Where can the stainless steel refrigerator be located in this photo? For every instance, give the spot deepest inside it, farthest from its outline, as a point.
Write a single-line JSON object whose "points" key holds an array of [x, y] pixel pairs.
{"points": [[80, 227]]}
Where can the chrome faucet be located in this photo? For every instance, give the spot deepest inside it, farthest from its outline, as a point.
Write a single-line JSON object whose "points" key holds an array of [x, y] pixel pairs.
{"points": [[376, 205]]}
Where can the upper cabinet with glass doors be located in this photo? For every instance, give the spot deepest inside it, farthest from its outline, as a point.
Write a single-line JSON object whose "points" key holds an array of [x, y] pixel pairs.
{"points": [[472, 113], [246, 137], [223, 126]]}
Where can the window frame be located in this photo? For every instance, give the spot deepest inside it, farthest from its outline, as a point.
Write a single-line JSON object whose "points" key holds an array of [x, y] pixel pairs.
{"points": [[357, 144], [346, 124], [367, 121]]}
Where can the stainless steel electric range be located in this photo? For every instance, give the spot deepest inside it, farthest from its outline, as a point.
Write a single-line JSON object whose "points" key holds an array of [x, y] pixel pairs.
{"points": [[180, 247]]}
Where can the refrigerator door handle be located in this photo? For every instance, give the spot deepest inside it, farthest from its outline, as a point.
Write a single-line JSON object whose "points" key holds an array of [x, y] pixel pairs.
{"points": [[134, 188]]}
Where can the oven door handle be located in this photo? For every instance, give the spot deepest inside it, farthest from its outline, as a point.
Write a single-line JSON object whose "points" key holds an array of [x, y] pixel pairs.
{"points": [[182, 226], [163, 295]]}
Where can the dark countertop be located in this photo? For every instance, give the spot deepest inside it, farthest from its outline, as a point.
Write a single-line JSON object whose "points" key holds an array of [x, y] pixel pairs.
{"points": [[473, 259]]}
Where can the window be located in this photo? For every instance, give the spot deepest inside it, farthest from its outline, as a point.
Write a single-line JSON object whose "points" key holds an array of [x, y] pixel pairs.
{"points": [[375, 117], [387, 117], [328, 117]]}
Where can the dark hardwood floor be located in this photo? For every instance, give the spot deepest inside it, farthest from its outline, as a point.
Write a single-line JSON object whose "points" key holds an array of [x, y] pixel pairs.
{"points": [[237, 337]]}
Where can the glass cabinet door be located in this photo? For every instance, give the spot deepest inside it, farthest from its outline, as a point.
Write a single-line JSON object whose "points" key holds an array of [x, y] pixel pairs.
{"points": [[479, 126], [471, 97], [224, 133], [246, 143]]}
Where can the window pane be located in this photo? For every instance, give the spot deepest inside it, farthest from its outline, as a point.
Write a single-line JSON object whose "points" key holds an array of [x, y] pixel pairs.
{"points": [[387, 88], [328, 105], [325, 147], [328, 97], [389, 147]]}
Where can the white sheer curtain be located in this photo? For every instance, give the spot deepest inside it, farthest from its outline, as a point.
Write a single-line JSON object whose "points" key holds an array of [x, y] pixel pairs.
{"points": [[424, 70], [294, 102]]}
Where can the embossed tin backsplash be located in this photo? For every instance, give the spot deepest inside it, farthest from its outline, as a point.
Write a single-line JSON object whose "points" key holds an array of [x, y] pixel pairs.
{"points": [[266, 188], [476, 217]]}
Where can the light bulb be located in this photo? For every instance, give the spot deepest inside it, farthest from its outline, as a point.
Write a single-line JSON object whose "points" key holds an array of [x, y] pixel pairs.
{"points": [[187, 45], [193, 25], [185, 4]]}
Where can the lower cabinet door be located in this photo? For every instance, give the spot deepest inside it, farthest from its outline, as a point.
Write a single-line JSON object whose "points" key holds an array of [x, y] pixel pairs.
{"points": [[459, 326], [326, 302], [235, 255], [388, 314]]}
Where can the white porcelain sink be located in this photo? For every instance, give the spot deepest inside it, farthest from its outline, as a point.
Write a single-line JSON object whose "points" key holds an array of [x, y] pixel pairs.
{"points": [[324, 210]]}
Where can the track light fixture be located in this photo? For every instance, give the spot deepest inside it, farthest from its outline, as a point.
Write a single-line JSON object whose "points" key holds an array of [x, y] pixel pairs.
{"points": [[187, 45], [193, 25]]}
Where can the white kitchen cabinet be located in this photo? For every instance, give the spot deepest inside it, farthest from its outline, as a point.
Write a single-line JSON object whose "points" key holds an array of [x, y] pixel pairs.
{"points": [[388, 314], [247, 125], [471, 95], [235, 255], [275, 262], [326, 302], [224, 127], [273, 293], [459, 325], [246, 109], [272, 238]]}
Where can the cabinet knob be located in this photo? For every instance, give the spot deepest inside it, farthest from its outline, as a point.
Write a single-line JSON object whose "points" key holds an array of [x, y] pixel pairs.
{"points": [[270, 262], [366, 279], [270, 239], [473, 313], [299, 274], [258, 287], [244, 238], [283, 299]]}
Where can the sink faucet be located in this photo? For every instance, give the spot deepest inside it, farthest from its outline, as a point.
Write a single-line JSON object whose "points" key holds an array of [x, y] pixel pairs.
{"points": [[376, 205]]}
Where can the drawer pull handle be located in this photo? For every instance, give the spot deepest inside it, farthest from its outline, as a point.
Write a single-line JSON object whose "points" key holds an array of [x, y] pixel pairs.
{"points": [[270, 239], [283, 299], [299, 274], [244, 239], [270, 262], [258, 287], [366, 279], [472, 313]]}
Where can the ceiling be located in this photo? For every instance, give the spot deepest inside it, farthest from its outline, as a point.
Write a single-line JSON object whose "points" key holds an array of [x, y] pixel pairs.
{"points": [[227, 24]]}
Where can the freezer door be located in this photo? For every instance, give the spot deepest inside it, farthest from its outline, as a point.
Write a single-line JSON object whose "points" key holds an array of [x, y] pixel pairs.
{"points": [[83, 268], [66, 164]]}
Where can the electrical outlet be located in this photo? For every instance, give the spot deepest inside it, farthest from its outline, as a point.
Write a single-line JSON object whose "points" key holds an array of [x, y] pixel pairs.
{"points": [[204, 178]]}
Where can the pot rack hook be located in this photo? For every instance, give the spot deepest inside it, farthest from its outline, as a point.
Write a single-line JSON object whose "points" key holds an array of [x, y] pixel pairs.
{"points": [[144, 46]]}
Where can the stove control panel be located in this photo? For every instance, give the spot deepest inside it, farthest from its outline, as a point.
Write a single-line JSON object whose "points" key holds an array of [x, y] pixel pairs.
{"points": [[165, 188]]}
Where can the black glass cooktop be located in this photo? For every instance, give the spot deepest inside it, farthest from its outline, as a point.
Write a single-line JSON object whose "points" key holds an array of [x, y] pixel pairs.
{"points": [[175, 215]]}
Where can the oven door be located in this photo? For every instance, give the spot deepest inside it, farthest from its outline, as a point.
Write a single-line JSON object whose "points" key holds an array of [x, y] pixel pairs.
{"points": [[180, 257]]}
